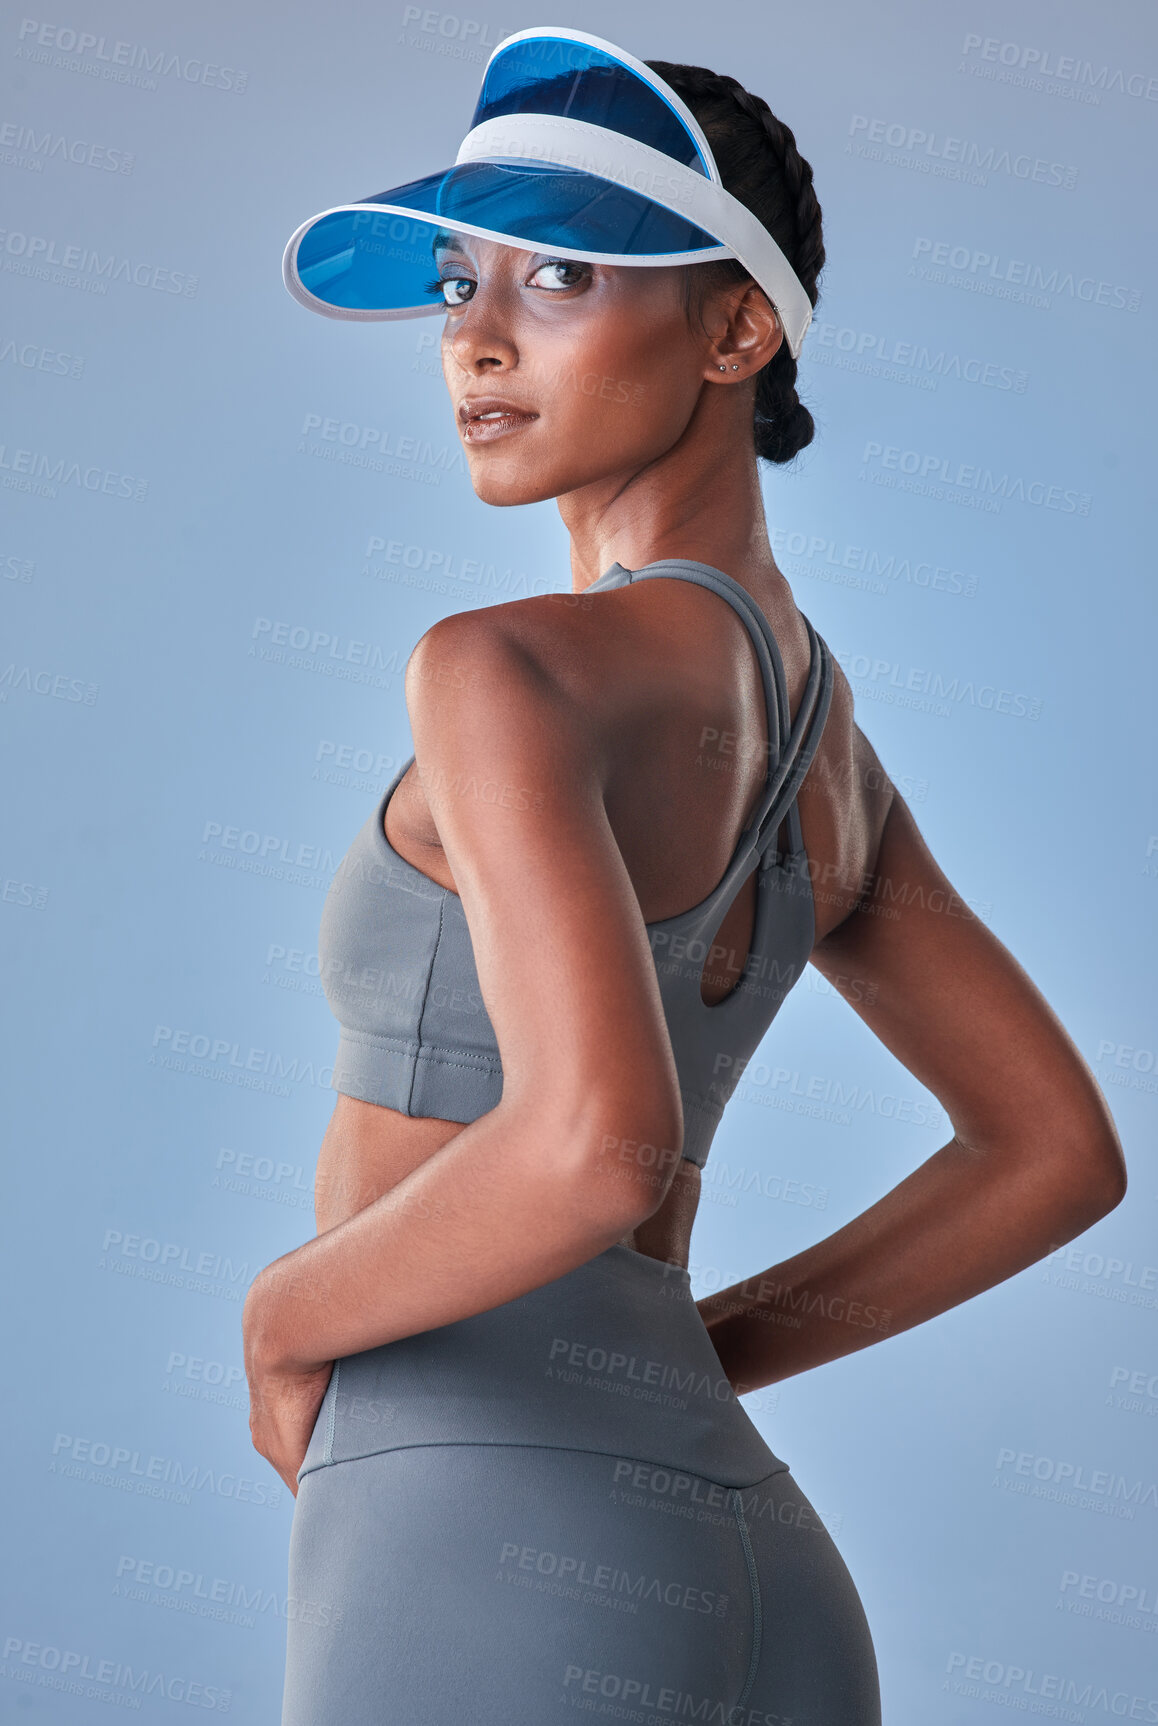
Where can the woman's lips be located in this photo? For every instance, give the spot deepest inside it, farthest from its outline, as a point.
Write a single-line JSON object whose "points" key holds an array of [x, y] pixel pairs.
{"points": [[488, 427]]}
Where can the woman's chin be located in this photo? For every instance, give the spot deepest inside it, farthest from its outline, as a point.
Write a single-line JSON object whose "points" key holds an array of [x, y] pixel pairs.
{"points": [[504, 490]]}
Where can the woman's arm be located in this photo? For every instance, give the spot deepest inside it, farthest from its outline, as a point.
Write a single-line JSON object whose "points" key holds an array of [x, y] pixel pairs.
{"points": [[1035, 1158], [513, 770]]}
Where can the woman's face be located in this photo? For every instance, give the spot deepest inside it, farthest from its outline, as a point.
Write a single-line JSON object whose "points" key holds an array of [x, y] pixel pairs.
{"points": [[592, 370]]}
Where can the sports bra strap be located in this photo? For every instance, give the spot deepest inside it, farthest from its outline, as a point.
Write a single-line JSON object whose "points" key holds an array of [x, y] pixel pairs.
{"points": [[803, 742]]}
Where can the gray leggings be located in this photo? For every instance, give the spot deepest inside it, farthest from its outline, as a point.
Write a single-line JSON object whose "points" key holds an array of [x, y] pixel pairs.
{"points": [[556, 1508]]}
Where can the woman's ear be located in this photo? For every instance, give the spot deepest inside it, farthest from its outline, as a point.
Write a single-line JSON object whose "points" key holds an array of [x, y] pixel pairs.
{"points": [[752, 333]]}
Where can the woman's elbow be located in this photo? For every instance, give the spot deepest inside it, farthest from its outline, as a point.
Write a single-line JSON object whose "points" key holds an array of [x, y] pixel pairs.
{"points": [[1065, 1126], [1095, 1149], [623, 1155], [1107, 1174], [1093, 1168]]}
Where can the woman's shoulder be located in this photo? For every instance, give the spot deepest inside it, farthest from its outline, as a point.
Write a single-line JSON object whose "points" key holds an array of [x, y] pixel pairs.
{"points": [[568, 644]]}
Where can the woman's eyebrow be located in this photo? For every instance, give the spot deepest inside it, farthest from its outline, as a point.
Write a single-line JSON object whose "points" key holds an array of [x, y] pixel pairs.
{"points": [[446, 242]]}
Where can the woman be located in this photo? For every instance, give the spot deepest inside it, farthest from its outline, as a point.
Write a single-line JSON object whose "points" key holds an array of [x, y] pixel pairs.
{"points": [[525, 1485]]}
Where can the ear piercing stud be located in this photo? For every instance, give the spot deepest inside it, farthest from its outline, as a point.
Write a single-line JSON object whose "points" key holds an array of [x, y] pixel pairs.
{"points": [[734, 368]]}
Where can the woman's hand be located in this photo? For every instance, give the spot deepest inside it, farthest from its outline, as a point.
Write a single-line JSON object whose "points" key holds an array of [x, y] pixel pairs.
{"points": [[283, 1407], [284, 1393], [730, 1328]]}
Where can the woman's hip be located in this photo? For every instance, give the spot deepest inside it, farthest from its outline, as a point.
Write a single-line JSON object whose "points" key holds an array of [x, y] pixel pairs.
{"points": [[561, 1505], [509, 1585], [513, 1585]]}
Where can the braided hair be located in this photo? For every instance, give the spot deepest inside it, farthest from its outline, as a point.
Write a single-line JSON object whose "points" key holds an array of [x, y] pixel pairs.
{"points": [[761, 166]]}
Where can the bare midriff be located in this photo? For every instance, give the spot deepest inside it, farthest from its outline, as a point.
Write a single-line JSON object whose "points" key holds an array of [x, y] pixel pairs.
{"points": [[368, 1149]]}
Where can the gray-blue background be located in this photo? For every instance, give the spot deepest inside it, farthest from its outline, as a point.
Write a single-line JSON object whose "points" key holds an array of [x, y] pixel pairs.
{"points": [[178, 496]]}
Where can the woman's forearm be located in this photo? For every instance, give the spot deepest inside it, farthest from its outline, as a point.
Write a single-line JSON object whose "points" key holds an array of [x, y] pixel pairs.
{"points": [[507, 1205], [957, 1225]]}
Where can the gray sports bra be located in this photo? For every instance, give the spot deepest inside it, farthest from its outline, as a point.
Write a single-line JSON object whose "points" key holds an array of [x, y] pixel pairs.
{"points": [[398, 968]]}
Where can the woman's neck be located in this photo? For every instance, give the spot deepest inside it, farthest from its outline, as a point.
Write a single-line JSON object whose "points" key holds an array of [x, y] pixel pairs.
{"points": [[693, 502]]}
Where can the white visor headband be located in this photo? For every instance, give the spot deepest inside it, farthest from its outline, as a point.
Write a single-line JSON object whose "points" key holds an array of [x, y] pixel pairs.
{"points": [[608, 155]]}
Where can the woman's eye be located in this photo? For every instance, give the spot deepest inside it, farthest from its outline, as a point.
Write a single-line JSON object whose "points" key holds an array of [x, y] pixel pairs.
{"points": [[559, 273], [455, 290]]}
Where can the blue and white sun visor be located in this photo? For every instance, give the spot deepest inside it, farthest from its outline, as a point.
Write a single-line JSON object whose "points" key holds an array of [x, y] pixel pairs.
{"points": [[575, 147]]}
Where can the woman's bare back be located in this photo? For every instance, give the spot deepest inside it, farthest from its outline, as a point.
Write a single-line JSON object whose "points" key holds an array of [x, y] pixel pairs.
{"points": [[675, 673]]}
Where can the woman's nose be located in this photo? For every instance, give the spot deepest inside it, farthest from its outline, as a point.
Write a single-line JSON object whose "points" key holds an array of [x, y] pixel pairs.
{"points": [[481, 336]]}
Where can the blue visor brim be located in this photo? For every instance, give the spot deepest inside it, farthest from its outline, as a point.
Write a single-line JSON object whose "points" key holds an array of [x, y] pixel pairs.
{"points": [[377, 257]]}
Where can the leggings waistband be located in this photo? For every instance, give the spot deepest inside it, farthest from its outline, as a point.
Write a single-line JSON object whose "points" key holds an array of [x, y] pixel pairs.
{"points": [[612, 1357]]}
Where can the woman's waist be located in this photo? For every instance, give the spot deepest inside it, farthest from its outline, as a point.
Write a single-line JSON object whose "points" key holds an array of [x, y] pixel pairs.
{"points": [[367, 1149], [612, 1357]]}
